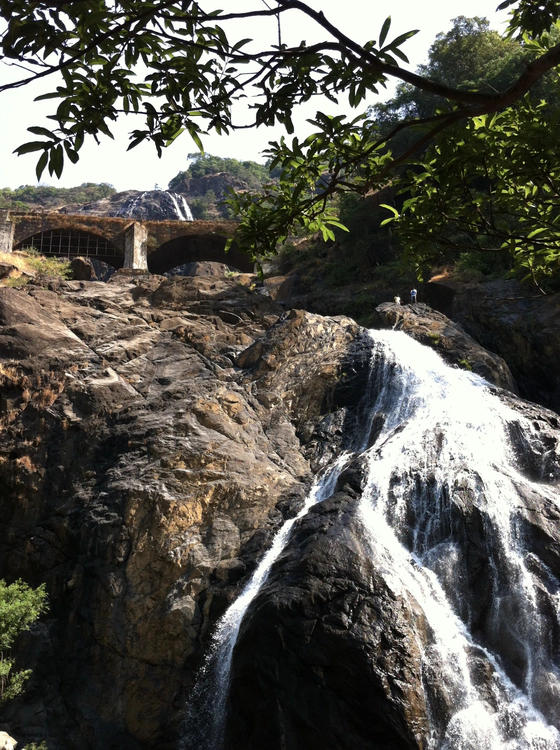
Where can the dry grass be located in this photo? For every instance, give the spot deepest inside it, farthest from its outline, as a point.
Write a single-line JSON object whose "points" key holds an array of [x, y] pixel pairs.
{"points": [[18, 390], [29, 263]]}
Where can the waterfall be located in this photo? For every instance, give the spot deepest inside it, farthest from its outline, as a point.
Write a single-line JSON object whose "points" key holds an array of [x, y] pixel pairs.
{"points": [[445, 440], [181, 206], [156, 205], [442, 455], [128, 209], [206, 714]]}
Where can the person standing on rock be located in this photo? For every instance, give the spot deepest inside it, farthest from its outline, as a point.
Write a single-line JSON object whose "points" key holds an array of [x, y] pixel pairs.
{"points": [[413, 294], [397, 300]]}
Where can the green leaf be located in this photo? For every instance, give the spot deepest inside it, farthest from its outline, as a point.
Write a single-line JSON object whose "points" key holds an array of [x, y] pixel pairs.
{"points": [[41, 165], [27, 148], [384, 31]]}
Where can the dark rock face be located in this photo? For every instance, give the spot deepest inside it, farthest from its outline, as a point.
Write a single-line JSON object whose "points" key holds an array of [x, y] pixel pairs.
{"points": [[513, 320], [154, 205], [313, 667], [521, 326], [333, 654]]}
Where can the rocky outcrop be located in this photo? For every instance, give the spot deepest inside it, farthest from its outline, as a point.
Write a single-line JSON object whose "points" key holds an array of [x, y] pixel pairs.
{"points": [[147, 457], [520, 325], [326, 655], [435, 330], [153, 205], [517, 322], [219, 184]]}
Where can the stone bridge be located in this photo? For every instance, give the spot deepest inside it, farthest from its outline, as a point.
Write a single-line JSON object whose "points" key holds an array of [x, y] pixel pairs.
{"points": [[156, 246]]}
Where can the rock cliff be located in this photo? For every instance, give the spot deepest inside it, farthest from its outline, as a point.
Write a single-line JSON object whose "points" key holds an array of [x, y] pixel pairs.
{"points": [[154, 205], [155, 434], [143, 467]]}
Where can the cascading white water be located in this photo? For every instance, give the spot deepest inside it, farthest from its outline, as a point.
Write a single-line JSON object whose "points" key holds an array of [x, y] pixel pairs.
{"points": [[181, 207], [156, 204], [441, 453], [444, 440], [204, 724], [128, 210]]}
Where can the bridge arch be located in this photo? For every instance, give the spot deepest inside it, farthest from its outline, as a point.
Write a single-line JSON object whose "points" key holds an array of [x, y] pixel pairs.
{"points": [[66, 242], [191, 248]]}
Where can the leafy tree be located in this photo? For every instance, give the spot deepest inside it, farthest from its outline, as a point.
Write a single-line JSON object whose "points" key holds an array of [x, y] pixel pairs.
{"points": [[492, 184], [469, 56], [20, 606], [179, 65]]}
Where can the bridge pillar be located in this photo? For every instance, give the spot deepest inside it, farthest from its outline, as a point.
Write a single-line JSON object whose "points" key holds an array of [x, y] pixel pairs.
{"points": [[136, 247], [6, 232]]}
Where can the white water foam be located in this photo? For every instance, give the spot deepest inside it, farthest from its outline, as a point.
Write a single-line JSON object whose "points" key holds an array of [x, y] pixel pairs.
{"points": [[442, 449], [444, 440]]}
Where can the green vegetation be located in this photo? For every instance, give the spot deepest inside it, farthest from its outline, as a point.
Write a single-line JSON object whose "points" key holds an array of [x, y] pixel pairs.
{"points": [[201, 165], [47, 266], [43, 196], [20, 607], [489, 187], [250, 174], [29, 261]]}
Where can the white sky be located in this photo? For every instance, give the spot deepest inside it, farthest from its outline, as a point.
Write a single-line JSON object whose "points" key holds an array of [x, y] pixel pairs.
{"points": [[140, 169]]}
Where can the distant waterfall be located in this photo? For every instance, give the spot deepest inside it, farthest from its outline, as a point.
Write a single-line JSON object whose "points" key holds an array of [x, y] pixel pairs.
{"points": [[442, 450], [156, 205], [182, 208]]}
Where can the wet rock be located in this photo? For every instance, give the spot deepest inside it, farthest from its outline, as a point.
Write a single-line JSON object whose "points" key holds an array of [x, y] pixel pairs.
{"points": [[155, 434], [440, 333], [154, 205], [325, 658]]}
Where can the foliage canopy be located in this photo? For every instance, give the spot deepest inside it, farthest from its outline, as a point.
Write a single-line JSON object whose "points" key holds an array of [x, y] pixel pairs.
{"points": [[181, 66]]}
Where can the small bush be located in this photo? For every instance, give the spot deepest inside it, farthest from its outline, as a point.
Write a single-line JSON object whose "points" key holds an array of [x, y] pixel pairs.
{"points": [[20, 606], [19, 282]]}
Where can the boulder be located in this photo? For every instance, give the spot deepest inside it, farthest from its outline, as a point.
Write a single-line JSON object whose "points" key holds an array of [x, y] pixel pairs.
{"points": [[280, 287], [82, 269], [9, 271], [201, 268]]}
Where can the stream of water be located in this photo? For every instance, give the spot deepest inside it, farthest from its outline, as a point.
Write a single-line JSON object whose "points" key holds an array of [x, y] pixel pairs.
{"points": [[441, 459]]}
